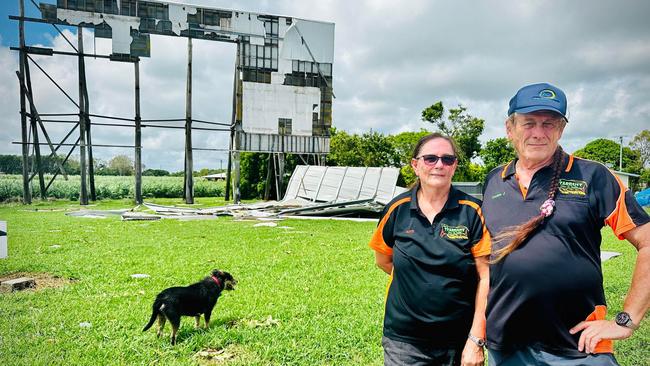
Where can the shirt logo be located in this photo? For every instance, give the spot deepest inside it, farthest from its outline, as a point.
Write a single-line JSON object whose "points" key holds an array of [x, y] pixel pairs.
{"points": [[409, 231], [498, 195], [573, 187], [454, 232]]}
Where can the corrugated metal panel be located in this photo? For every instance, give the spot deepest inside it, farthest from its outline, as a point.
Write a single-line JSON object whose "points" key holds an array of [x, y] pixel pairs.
{"points": [[340, 184]]}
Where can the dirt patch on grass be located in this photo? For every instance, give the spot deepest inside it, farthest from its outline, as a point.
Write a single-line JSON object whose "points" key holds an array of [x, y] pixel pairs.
{"points": [[253, 323], [219, 356], [43, 280]]}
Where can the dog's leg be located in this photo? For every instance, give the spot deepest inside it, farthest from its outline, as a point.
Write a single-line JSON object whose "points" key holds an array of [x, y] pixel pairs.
{"points": [[175, 320], [174, 331], [161, 324], [197, 319], [207, 318]]}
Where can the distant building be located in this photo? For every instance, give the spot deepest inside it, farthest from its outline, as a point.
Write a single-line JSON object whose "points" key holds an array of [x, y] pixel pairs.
{"points": [[625, 177], [218, 176], [474, 189]]}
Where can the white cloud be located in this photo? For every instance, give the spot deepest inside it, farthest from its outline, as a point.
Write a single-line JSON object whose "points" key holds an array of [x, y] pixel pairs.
{"points": [[391, 61]]}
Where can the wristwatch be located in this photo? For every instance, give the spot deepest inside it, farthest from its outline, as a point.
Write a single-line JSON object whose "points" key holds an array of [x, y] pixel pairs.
{"points": [[623, 319], [479, 341]]}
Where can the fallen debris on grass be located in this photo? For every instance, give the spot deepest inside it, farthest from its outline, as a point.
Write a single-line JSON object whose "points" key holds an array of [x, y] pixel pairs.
{"points": [[42, 280]]}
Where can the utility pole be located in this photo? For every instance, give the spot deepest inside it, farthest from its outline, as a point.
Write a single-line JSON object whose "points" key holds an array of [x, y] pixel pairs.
{"points": [[620, 154]]}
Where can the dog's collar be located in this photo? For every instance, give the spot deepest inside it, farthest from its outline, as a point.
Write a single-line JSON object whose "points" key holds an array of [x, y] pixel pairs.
{"points": [[216, 280]]}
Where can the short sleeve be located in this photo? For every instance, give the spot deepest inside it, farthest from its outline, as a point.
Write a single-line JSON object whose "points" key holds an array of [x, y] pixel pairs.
{"points": [[615, 204], [481, 241], [382, 239]]}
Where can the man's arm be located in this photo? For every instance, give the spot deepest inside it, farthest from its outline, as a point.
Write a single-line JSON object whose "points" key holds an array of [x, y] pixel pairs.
{"points": [[636, 302], [384, 261]]}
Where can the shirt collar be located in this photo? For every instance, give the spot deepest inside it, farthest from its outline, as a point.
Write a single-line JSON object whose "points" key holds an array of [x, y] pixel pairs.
{"points": [[510, 168], [452, 198]]}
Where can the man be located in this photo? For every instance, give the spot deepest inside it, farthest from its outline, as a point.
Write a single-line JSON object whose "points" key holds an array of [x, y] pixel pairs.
{"points": [[545, 211]]}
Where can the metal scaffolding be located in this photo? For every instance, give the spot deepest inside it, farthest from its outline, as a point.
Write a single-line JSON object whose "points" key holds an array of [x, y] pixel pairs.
{"points": [[253, 65]]}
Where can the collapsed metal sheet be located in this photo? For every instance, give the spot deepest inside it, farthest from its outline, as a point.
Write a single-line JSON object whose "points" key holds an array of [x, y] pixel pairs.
{"points": [[340, 184]]}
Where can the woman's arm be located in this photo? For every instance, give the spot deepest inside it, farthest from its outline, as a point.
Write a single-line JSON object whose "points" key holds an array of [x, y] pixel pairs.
{"points": [[472, 353], [384, 261]]}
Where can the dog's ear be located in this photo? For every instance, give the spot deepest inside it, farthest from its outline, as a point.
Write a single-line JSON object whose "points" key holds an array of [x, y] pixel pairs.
{"points": [[217, 273]]}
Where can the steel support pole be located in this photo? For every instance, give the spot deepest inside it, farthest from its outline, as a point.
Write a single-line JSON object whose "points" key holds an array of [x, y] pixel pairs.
{"points": [[83, 194], [189, 166], [27, 192], [138, 137]]}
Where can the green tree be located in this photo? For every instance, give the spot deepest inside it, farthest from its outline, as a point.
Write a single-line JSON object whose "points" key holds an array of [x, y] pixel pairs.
{"points": [[155, 172], [121, 165], [403, 145], [641, 144], [11, 164], [497, 152], [464, 129], [433, 113], [252, 174], [645, 177], [344, 149], [369, 149], [376, 150], [608, 152]]}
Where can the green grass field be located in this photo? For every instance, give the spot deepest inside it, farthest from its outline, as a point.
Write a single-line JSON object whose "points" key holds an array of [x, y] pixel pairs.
{"points": [[109, 187], [317, 279]]}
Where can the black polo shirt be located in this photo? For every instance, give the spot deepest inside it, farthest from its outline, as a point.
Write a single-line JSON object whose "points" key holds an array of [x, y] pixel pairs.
{"points": [[553, 280], [431, 293]]}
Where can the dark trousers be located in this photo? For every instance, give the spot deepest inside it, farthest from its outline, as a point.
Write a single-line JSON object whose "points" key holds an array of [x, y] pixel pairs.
{"points": [[531, 356], [398, 353]]}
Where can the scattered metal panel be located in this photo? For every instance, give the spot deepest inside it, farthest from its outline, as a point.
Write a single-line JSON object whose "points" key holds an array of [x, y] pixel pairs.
{"points": [[341, 184]]}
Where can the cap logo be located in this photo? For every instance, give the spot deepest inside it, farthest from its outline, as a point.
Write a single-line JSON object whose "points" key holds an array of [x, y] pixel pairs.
{"points": [[547, 94]]}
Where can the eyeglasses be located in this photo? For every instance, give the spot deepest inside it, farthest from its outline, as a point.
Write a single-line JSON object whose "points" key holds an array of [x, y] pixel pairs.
{"points": [[431, 160]]}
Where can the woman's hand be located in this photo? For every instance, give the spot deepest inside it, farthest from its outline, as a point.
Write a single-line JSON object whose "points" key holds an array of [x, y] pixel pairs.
{"points": [[472, 355]]}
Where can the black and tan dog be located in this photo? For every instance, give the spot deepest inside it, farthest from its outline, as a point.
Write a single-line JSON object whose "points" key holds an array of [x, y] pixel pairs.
{"points": [[193, 300]]}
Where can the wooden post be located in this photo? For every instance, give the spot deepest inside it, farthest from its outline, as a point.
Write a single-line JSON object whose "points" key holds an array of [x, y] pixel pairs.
{"points": [[189, 180], [83, 194], [279, 186], [89, 144], [269, 172], [138, 137], [236, 195], [27, 191], [33, 114], [235, 83]]}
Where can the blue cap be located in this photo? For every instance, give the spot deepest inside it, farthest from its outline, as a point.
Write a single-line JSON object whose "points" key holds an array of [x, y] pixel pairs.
{"points": [[538, 97]]}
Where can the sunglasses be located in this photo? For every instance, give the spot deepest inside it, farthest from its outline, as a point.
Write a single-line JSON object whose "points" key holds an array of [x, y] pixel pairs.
{"points": [[431, 160]]}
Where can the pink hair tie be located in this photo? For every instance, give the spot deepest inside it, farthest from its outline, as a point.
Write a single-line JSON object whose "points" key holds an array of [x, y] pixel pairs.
{"points": [[547, 208]]}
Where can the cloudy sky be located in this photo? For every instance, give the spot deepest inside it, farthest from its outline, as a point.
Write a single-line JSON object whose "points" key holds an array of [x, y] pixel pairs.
{"points": [[392, 59]]}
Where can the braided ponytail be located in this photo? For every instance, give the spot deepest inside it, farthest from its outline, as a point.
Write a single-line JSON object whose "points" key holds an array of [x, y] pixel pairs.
{"points": [[519, 233]]}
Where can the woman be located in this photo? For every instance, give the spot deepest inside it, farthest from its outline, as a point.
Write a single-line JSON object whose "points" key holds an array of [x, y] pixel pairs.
{"points": [[433, 243]]}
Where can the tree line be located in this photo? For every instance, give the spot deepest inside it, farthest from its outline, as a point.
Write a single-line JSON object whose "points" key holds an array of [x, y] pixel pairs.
{"points": [[475, 159], [119, 165]]}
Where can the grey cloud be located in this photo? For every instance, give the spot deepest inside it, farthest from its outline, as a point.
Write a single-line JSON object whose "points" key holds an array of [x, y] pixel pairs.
{"points": [[391, 61]]}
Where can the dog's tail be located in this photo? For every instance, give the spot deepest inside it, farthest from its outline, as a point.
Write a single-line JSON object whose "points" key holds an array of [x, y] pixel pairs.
{"points": [[154, 314]]}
